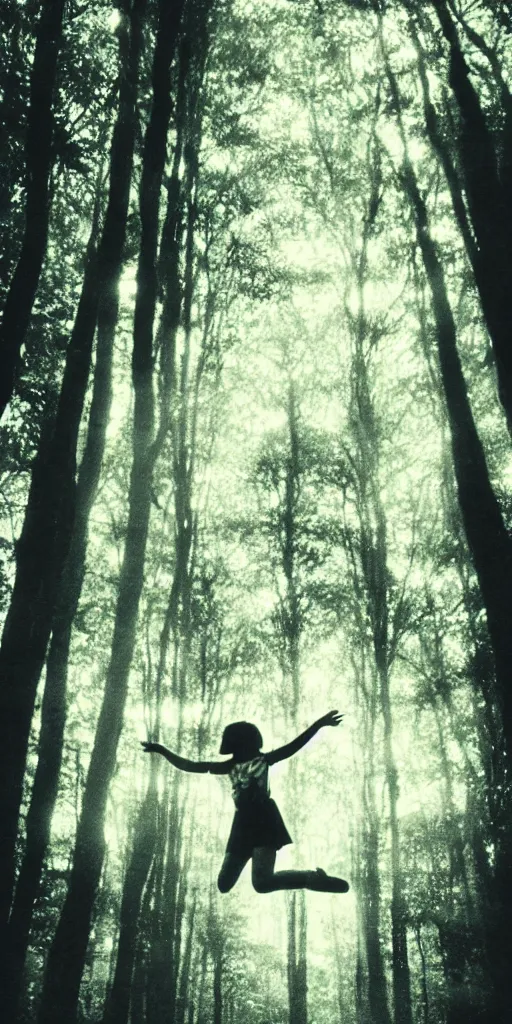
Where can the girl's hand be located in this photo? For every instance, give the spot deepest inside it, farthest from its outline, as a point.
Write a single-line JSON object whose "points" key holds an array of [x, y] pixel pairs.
{"points": [[150, 748], [331, 718]]}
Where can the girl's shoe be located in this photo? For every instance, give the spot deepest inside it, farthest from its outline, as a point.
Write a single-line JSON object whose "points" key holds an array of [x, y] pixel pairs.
{"points": [[321, 882]]}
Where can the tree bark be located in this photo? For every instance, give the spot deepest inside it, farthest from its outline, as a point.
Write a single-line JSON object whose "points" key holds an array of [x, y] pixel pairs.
{"points": [[40, 558], [53, 711], [185, 988], [118, 1001], [491, 552], [39, 159], [297, 960], [489, 202], [66, 957], [374, 573], [46, 536], [485, 530]]}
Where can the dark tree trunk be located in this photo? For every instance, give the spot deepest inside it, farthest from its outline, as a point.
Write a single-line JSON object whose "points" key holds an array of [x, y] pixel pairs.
{"points": [[454, 943], [67, 954], [491, 552], [165, 975], [215, 942], [46, 536], [39, 146], [423, 980], [371, 897], [217, 989], [185, 991], [486, 534], [441, 147], [201, 994], [401, 973], [53, 712], [40, 558], [118, 1002], [490, 205], [297, 960], [370, 972]]}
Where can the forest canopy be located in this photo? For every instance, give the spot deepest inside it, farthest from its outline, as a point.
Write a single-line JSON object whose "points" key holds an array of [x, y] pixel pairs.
{"points": [[255, 463]]}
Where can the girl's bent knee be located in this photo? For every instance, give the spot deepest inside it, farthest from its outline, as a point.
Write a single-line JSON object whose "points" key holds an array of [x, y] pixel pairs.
{"points": [[262, 883], [224, 884]]}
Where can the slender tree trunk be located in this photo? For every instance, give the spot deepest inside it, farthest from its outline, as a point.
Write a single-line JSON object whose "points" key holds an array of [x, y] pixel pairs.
{"points": [[368, 893], [39, 153], [45, 540], [217, 989], [169, 273], [185, 988], [423, 980], [53, 712], [295, 1003], [369, 896], [67, 953], [155, 959], [377, 989], [170, 951], [137, 1002], [118, 1001], [401, 973], [301, 979], [297, 959], [374, 571], [40, 557], [201, 995]]}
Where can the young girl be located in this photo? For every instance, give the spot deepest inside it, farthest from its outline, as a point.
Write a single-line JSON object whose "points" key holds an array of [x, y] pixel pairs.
{"points": [[258, 829]]}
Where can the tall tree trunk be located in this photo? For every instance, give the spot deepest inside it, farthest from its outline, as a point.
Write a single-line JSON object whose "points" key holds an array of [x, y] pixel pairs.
{"points": [[45, 540], [489, 203], [377, 989], [39, 154], [401, 974], [423, 980], [490, 548], [217, 989], [170, 279], [375, 574], [201, 994], [118, 1001], [368, 894], [487, 537], [297, 959], [185, 988], [53, 711], [66, 957], [440, 145], [40, 558], [215, 946]]}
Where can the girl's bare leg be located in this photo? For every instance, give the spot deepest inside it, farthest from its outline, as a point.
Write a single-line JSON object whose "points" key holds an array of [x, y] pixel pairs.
{"points": [[230, 871], [265, 879]]}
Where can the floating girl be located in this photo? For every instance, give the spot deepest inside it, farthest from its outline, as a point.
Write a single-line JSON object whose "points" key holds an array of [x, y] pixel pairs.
{"points": [[258, 829]]}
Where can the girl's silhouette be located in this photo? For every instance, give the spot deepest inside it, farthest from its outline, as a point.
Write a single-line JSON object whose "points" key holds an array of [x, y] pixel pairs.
{"points": [[258, 829]]}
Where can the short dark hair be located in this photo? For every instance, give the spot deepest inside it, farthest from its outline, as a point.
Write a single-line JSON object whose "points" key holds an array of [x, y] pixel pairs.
{"points": [[239, 736]]}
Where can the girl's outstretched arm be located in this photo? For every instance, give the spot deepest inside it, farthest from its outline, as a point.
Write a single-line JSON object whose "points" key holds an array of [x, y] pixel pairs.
{"points": [[214, 767], [331, 718]]}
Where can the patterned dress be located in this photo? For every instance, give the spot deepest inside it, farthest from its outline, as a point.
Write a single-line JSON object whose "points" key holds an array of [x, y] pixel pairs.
{"points": [[257, 820]]}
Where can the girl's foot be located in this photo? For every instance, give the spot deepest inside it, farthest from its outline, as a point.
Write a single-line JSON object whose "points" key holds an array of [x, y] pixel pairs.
{"points": [[322, 882]]}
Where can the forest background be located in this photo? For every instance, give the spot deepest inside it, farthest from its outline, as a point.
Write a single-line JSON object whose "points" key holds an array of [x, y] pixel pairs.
{"points": [[256, 397]]}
